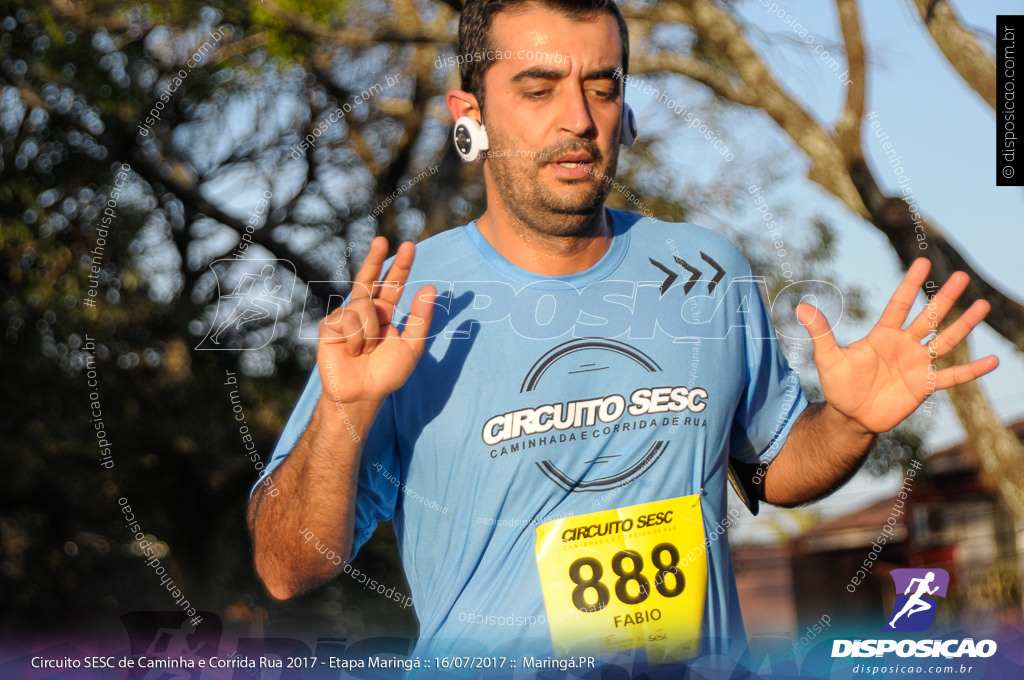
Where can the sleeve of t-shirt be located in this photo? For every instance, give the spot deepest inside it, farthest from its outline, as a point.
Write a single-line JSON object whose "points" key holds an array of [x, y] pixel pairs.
{"points": [[772, 398], [376, 495]]}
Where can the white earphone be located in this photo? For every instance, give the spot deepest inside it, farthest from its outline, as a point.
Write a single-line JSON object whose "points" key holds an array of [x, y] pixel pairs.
{"points": [[470, 136]]}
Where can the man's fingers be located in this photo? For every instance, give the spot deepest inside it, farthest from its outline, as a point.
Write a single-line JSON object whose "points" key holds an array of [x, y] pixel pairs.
{"points": [[902, 300], [370, 271], [958, 375], [825, 347], [421, 311], [362, 324], [959, 329], [330, 327], [937, 309], [366, 334], [389, 290], [356, 325], [386, 293]]}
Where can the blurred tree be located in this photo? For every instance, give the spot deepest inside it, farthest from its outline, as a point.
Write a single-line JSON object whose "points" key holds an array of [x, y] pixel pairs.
{"points": [[722, 59], [728, 65], [201, 107]]}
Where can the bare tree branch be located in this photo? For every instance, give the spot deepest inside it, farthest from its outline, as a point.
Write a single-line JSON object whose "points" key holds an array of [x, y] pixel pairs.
{"points": [[995, 446], [355, 128], [662, 13], [718, 28], [401, 155], [961, 47], [848, 129], [238, 47], [845, 175], [192, 197], [352, 37], [706, 74], [84, 17]]}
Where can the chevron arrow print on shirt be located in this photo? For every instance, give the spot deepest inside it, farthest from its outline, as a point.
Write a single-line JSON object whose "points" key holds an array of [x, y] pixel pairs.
{"points": [[695, 274]]}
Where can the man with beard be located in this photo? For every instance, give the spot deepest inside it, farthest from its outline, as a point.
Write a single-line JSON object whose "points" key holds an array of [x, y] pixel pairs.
{"points": [[547, 402]]}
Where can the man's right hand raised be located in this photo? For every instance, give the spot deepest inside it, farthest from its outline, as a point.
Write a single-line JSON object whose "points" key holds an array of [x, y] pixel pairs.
{"points": [[362, 357]]}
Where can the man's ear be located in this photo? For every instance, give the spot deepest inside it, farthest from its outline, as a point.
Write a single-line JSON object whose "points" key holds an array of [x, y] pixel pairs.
{"points": [[461, 103]]}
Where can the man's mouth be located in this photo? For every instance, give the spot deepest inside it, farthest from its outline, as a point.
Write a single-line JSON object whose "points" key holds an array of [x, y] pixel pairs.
{"points": [[574, 160], [575, 165]]}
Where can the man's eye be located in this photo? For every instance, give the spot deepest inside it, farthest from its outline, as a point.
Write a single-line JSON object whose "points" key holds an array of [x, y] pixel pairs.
{"points": [[537, 94]]}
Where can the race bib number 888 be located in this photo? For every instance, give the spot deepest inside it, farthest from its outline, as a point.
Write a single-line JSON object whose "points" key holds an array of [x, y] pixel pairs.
{"points": [[615, 580]]}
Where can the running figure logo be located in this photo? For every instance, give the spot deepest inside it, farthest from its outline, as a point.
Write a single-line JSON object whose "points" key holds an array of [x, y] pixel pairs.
{"points": [[247, 316], [914, 610]]}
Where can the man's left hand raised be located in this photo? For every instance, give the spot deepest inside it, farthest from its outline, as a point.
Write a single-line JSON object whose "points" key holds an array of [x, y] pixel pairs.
{"points": [[881, 379]]}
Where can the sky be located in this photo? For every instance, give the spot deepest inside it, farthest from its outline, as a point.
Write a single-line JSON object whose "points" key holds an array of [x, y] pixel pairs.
{"points": [[945, 135]]}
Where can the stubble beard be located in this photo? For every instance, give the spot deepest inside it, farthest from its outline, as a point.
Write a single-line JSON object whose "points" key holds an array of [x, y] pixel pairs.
{"points": [[534, 208]]}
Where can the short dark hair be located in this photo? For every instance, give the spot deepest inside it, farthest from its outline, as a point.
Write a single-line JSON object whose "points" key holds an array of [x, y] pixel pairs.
{"points": [[478, 16]]}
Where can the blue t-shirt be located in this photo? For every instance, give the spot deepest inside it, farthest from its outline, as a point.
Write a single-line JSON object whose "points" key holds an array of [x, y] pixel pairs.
{"points": [[540, 398]]}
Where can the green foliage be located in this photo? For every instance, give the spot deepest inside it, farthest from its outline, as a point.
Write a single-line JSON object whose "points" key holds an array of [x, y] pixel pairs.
{"points": [[74, 87]]}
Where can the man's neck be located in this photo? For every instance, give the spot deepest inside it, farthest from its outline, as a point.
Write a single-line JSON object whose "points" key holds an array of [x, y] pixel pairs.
{"points": [[546, 254]]}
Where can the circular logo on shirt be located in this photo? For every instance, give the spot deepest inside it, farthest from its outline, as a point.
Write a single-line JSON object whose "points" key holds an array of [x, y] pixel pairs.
{"points": [[579, 365], [591, 355]]}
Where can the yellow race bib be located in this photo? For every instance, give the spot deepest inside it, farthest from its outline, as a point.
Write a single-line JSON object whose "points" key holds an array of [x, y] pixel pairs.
{"points": [[619, 579]]}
